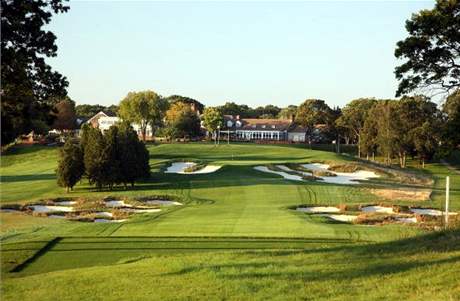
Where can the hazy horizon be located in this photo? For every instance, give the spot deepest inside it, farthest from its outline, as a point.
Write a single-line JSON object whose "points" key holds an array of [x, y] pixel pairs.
{"points": [[253, 53]]}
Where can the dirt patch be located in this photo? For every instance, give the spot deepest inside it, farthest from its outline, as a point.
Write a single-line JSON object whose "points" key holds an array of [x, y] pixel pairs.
{"points": [[403, 195]]}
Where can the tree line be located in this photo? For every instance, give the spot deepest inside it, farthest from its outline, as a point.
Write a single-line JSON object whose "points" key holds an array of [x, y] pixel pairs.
{"points": [[116, 157]]}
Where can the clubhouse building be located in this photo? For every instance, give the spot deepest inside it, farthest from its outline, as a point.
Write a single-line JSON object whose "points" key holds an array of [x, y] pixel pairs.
{"points": [[252, 129]]}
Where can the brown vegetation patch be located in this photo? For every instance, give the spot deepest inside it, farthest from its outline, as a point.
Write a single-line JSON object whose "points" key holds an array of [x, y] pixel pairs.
{"points": [[403, 194]]}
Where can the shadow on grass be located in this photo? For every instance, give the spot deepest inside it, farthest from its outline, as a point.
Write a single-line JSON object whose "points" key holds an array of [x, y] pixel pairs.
{"points": [[26, 178]]}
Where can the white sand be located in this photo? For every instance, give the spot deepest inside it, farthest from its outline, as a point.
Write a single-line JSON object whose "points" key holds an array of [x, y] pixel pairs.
{"points": [[46, 209], [162, 203], [378, 209], [342, 217], [103, 220], [407, 219], [179, 167], [136, 210], [56, 216], [116, 204], [104, 214], [432, 212], [281, 173], [316, 166], [65, 203], [342, 177], [328, 209]]}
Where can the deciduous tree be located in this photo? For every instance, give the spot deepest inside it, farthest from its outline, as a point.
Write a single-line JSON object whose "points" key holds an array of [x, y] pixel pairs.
{"points": [[432, 50], [143, 108], [30, 87], [212, 120]]}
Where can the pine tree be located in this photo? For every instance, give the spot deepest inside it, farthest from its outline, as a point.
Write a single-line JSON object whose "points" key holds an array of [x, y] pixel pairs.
{"points": [[70, 167], [111, 157], [134, 157], [93, 158]]}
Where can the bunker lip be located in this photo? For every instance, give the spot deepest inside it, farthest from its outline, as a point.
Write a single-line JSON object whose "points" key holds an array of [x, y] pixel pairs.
{"points": [[180, 167], [162, 202], [318, 209], [346, 218]]}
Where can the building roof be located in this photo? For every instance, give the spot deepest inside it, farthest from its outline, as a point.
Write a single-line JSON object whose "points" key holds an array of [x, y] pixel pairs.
{"points": [[254, 124]]}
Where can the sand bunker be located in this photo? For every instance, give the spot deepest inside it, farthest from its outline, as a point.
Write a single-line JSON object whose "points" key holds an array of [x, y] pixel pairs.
{"points": [[47, 209], [281, 173], [377, 209], [116, 204], [342, 217], [65, 203], [431, 212], [328, 209], [103, 220], [162, 203], [180, 167], [103, 214], [407, 219], [342, 177]]}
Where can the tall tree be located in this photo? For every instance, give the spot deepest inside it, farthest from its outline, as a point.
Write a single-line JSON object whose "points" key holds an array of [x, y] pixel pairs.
{"points": [[312, 112], [65, 115], [94, 159], [111, 158], [432, 50], [70, 166], [182, 121], [29, 86], [212, 120], [354, 115], [143, 108], [452, 110]]}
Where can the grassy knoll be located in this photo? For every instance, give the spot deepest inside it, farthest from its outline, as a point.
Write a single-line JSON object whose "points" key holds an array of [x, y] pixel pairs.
{"points": [[422, 268]]}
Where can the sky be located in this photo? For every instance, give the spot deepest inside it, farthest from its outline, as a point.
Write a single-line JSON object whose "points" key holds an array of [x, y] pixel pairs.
{"points": [[253, 53]]}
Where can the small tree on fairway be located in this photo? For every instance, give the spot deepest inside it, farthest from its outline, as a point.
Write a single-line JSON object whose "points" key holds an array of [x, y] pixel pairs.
{"points": [[70, 166], [212, 119]]}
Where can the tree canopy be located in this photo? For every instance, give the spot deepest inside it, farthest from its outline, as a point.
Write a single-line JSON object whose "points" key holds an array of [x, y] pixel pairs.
{"points": [[432, 50], [143, 108], [182, 121], [65, 115], [30, 87]]}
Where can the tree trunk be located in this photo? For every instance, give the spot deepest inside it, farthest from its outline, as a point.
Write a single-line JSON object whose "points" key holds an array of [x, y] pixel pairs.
{"points": [[67, 189], [423, 162], [144, 130], [359, 146]]}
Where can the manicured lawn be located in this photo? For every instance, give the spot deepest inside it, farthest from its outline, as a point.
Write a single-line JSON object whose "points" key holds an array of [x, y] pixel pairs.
{"points": [[423, 268], [234, 237]]}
